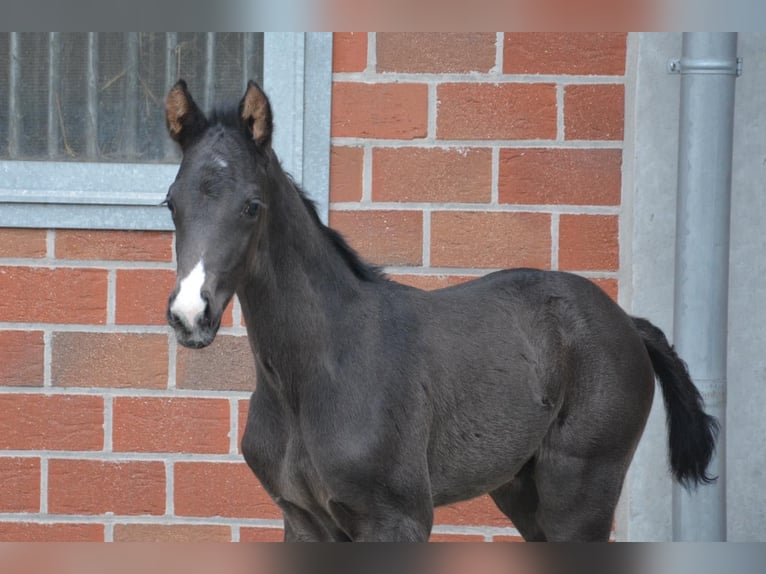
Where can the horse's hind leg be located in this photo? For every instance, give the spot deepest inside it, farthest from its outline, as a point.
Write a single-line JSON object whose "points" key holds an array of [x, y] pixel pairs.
{"points": [[518, 500], [577, 495]]}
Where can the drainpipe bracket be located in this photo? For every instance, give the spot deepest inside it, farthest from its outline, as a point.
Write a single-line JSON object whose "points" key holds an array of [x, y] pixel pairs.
{"points": [[705, 66]]}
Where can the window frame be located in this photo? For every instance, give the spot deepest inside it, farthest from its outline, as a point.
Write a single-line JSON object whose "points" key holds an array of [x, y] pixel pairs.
{"points": [[297, 76]]}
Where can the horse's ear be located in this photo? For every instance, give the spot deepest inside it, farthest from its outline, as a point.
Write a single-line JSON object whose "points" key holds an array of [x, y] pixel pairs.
{"points": [[184, 118], [255, 111]]}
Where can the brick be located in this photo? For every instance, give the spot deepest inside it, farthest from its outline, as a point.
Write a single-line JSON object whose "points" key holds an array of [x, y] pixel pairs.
{"points": [[47, 532], [98, 487], [114, 245], [496, 111], [346, 168], [589, 242], [560, 176], [220, 489], [610, 287], [443, 537], [564, 53], [349, 51], [42, 295], [435, 53], [142, 297], [594, 112], [154, 424], [172, 533], [432, 174], [490, 240], [51, 422], [128, 360], [431, 282], [23, 243], [476, 512], [21, 358], [389, 111], [20, 478], [226, 365], [383, 237], [257, 534]]}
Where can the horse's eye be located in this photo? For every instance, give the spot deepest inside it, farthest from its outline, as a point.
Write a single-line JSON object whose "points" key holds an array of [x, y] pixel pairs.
{"points": [[251, 208]]}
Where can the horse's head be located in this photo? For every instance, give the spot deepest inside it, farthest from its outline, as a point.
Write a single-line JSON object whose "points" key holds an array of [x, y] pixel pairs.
{"points": [[216, 202]]}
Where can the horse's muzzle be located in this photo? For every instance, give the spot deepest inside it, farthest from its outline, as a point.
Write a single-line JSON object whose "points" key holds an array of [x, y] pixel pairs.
{"points": [[197, 331]]}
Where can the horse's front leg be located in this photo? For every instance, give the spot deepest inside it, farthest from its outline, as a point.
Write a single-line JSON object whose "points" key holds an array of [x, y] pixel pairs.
{"points": [[378, 518], [302, 526]]}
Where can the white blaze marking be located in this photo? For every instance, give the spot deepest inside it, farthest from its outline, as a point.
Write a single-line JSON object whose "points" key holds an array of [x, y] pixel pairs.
{"points": [[188, 304], [220, 162]]}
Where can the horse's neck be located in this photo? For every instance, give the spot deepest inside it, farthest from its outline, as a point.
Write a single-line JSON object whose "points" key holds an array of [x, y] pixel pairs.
{"points": [[295, 288]]}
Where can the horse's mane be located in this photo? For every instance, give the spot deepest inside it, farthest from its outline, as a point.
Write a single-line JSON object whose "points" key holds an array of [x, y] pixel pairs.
{"points": [[361, 269]]}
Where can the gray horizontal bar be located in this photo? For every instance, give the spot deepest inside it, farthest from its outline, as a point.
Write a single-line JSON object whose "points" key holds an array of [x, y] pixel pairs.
{"points": [[61, 216], [56, 196], [102, 177]]}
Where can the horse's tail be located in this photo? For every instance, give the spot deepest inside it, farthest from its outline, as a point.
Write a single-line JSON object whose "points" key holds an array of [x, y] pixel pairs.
{"points": [[693, 432]]}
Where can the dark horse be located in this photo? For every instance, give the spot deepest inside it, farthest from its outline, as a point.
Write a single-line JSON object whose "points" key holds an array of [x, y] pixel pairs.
{"points": [[376, 401]]}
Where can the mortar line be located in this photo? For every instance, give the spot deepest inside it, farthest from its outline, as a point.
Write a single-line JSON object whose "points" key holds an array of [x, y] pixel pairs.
{"points": [[499, 43], [446, 144], [479, 272], [490, 77], [426, 256], [108, 422], [162, 519], [77, 327], [367, 174], [235, 536], [43, 484], [555, 241], [109, 530], [483, 207], [233, 425], [50, 244], [47, 358], [560, 127], [124, 457], [111, 296], [169, 486], [433, 110], [172, 361], [495, 178], [126, 392], [107, 265], [372, 53], [103, 328], [236, 312]]}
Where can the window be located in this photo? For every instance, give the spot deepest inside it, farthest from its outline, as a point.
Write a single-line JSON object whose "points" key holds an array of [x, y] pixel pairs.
{"points": [[82, 128]]}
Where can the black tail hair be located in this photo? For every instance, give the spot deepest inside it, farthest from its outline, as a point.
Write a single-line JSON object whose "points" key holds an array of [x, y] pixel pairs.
{"points": [[693, 432]]}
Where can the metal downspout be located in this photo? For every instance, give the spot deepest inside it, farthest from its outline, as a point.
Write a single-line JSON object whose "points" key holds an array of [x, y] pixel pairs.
{"points": [[708, 68]]}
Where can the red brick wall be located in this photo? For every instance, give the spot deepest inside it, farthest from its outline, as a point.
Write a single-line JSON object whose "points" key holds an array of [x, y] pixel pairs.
{"points": [[453, 154]]}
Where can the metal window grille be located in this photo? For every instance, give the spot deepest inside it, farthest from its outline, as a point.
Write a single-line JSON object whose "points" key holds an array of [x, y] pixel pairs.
{"points": [[98, 97]]}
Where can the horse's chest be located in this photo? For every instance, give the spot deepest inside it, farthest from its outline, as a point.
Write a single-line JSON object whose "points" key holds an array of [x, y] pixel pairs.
{"points": [[299, 482], [285, 468]]}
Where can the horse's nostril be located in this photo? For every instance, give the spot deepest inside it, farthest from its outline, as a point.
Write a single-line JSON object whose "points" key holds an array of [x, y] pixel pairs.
{"points": [[206, 318], [173, 319]]}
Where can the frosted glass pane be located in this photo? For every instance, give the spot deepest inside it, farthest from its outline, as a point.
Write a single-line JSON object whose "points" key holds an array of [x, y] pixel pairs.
{"points": [[99, 97]]}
